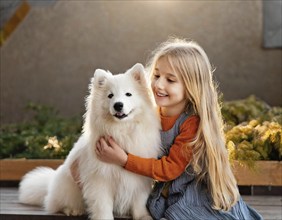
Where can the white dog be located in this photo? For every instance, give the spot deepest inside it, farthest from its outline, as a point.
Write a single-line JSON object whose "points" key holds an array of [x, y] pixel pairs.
{"points": [[119, 106]]}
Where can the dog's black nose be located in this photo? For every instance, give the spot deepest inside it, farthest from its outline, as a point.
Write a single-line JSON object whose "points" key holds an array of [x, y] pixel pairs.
{"points": [[118, 106]]}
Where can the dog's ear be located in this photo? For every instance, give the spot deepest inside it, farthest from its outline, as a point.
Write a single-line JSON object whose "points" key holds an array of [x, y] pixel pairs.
{"points": [[138, 73], [100, 77]]}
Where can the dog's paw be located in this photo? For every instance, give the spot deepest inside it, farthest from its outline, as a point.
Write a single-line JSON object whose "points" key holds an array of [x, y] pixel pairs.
{"points": [[72, 212]]}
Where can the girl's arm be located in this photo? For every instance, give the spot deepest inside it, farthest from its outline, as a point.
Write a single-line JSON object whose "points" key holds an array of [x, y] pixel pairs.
{"points": [[165, 169]]}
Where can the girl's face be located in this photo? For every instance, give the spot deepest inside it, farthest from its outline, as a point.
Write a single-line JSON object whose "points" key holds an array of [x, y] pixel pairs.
{"points": [[168, 89]]}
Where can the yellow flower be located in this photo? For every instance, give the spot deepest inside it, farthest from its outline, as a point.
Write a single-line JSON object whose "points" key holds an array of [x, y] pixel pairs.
{"points": [[53, 143]]}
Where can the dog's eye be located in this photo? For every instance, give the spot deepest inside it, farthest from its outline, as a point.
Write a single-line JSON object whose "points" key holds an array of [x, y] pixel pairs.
{"points": [[128, 94], [110, 95]]}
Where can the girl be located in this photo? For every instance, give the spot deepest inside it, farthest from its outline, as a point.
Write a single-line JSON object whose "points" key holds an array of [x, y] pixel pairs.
{"points": [[194, 178]]}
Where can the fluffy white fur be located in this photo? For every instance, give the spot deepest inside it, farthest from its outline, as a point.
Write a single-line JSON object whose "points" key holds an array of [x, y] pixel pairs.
{"points": [[107, 189]]}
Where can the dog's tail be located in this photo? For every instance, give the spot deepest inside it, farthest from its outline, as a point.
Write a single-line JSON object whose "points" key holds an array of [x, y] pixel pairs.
{"points": [[34, 185]]}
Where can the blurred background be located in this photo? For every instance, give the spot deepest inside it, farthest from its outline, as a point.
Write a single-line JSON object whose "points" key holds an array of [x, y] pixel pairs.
{"points": [[51, 48]]}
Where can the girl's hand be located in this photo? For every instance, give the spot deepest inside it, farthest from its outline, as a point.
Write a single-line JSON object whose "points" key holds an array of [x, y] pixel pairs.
{"points": [[110, 152]]}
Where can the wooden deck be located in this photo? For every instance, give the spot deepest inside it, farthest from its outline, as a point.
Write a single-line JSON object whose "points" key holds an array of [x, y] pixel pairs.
{"points": [[270, 207]]}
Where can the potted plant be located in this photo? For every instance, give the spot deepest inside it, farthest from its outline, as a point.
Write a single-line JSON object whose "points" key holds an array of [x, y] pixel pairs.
{"points": [[254, 141]]}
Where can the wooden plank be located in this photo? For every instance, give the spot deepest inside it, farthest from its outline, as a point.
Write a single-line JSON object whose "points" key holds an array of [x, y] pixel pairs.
{"points": [[263, 200], [10, 209], [265, 173], [14, 169], [40, 217], [268, 206]]}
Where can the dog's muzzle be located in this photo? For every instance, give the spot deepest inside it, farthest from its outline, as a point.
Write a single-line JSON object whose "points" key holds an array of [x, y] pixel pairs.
{"points": [[118, 106]]}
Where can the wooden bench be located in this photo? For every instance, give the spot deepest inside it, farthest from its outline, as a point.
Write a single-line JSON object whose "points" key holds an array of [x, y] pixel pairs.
{"points": [[270, 207]]}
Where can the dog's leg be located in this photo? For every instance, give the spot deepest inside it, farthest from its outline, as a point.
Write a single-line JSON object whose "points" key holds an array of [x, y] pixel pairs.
{"points": [[99, 200], [64, 195], [139, 210]]}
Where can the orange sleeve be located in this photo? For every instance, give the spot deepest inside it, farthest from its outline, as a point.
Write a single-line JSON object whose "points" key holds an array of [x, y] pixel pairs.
{"points": [[171, 166]]}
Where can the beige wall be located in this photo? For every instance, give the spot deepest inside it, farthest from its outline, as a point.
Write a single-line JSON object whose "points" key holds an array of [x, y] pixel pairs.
{"points": [[52, 55]]}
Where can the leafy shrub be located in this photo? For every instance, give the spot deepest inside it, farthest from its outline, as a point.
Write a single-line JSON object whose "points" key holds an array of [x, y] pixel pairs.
{"points": [[244, 110], [47, 135], [253, 132], [253, 141]]}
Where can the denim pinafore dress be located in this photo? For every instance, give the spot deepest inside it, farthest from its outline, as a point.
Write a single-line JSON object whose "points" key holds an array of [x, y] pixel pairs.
{"points": [[188, 199]]}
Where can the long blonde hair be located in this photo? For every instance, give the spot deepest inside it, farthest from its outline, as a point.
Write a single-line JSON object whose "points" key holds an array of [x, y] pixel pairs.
{"points": [[210, 158]]}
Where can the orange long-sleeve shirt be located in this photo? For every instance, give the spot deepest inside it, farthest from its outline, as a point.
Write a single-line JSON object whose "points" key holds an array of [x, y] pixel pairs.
{"points": [[173, 165]]}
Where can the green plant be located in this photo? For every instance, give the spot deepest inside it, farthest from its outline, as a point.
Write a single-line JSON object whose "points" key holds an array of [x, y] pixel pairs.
{"points": [[252, 141], [245, 110], [47, 135], [253, 130]]}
